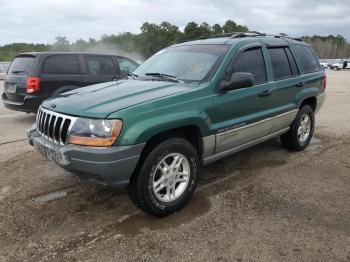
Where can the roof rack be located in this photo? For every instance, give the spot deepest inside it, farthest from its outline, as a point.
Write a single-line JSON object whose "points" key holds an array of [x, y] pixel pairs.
{"points": [[287, 36], [233, 35]]}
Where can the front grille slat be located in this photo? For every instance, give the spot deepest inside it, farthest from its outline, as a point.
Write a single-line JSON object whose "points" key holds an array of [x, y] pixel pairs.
{"points": [[54, 126], [60, 132]]}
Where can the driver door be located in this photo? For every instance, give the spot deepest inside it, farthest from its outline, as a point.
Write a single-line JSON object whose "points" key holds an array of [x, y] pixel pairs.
{"points": [[242, 115]]}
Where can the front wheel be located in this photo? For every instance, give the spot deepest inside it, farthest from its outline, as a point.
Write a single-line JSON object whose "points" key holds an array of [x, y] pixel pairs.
{"points": [[167, 178], [300, 133]]}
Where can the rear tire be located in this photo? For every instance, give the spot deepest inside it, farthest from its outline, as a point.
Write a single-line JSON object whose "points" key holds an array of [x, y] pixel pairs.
{"points": [[167, 178], [300, 134]]}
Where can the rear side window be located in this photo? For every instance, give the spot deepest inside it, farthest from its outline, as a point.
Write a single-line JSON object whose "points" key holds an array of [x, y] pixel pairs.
{"points": [[21, 65], [251, 61], [99, 65], [307, 59], [283, 63], [62, 64], [280, 63], [126, 66]]}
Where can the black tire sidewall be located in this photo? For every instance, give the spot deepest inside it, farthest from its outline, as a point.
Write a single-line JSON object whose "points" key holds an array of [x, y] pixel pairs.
{"points": [[174, 145]]}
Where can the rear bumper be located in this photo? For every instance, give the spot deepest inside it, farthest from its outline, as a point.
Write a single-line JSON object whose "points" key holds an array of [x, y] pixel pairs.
{"points": [[320, 101], [112, 166], [30, 104]]}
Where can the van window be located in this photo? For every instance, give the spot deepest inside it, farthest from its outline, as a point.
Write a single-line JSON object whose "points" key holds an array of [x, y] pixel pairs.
{"points": [[251, 61], [280, 63], [126, 66], [62, 64], [21, 65], [99, 65], [307, 59]]}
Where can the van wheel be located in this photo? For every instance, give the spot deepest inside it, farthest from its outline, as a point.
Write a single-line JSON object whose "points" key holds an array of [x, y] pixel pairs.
{"points": [[167, 178], [299, 135]]}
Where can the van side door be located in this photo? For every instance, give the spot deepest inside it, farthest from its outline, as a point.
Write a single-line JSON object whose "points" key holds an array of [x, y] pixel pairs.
{"points": [[242, 115], [99, 69], [59, 71]]}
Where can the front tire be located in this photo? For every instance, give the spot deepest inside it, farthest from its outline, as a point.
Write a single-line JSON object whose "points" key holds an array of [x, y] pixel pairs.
{"points": [[166, 179], [300, 134]]}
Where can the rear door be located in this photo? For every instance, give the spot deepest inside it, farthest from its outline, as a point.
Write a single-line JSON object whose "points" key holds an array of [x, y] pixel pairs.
{"points": [[59, 73], [15, 80], [99, 69], [286, 84], [241, 115]]}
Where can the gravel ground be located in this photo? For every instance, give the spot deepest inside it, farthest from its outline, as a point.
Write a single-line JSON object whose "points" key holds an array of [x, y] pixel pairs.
{"points": [[262, 204]]}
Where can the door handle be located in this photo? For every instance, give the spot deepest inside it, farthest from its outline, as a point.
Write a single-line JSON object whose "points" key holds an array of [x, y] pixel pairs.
{"points": [[265, 93], [300, 84]]}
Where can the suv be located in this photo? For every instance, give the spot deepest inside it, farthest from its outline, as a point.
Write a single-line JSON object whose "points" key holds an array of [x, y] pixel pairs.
{"points": [[188, 105], [343, 64], [34, 77]]}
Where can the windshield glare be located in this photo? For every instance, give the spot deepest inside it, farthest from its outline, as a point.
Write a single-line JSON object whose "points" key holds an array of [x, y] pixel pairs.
{"points": [[187, 63]]}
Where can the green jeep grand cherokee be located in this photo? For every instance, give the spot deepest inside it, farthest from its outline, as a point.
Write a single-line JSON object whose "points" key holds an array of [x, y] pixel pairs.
{"points": [[187, 106]]}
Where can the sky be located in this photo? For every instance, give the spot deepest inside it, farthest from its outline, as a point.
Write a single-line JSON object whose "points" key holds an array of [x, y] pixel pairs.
{"points": [[40, 21]]}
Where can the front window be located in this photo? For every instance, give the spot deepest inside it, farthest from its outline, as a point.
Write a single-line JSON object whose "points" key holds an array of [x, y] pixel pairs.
{"points": [[186, 63]]}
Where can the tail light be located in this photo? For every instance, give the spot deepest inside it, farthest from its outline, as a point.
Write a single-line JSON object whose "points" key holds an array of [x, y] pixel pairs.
{"points": [[33, 84], [324, 82]]}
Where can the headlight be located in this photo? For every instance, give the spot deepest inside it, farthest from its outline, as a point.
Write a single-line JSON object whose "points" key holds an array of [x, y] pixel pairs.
{"points": [[95, 132]]}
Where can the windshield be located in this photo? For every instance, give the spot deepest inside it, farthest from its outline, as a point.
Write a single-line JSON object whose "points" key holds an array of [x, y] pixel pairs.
{"points": [[21, 65], [186, 63]]}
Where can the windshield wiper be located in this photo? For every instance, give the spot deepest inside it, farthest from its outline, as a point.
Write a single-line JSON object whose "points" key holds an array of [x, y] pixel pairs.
{"points": [[134, 76], [164, 77]]}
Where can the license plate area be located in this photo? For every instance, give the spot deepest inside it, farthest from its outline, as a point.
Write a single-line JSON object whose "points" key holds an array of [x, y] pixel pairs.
{"points": [[52, 153], [11, 88]]}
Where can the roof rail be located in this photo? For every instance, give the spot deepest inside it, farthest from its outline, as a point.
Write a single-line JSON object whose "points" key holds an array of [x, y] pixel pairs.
{"points": [[287, 36]]}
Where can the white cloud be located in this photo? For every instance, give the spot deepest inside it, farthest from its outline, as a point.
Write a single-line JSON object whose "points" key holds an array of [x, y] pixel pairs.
{"points": [[41, 21]]}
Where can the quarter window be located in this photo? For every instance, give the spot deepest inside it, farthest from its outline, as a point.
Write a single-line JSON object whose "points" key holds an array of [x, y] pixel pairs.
{"points": [[99, 65], [251, 61], [307, 58], [62, 64]]}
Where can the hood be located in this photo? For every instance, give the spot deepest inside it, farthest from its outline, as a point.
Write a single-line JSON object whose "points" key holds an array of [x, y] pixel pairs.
{"points": [[103, 99]]}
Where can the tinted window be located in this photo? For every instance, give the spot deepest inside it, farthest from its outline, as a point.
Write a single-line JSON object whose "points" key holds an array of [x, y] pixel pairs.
{"points": [[126, 66], [99, 65], [307, 58], [21, 65], [251, 61], [292, 62], [280, 63], [62, 64]]}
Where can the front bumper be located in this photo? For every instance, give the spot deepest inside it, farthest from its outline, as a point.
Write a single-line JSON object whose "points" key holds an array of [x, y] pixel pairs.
{"points": [[112, 166]]}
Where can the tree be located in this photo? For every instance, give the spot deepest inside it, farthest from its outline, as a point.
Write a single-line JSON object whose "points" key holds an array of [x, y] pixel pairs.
{"points": [[61, 44], [216, 29]]}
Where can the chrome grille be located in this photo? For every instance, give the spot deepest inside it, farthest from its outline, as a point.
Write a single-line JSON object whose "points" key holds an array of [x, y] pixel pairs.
{"points": [[54, 126]]}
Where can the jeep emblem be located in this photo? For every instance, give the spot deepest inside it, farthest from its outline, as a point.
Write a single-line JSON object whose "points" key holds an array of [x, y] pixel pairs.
{"points": [[53, 105]]}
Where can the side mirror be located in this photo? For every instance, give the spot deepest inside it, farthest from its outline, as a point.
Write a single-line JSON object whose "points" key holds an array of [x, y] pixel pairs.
{"points": [[237, 81]]}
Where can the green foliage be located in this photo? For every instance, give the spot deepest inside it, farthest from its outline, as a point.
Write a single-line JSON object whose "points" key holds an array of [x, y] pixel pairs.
{"points": [[154, 37], [329, 46]]}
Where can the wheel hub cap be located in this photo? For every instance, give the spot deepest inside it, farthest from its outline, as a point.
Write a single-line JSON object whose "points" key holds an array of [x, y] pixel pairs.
{"points": [[171, 177], [304, 129]]}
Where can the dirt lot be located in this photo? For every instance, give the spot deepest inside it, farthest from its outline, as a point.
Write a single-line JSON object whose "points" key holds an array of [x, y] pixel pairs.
{"points": [[263, 204]]}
